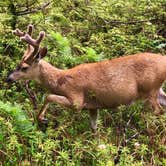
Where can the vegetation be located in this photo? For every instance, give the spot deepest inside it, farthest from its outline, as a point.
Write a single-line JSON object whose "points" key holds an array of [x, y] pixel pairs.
{"points": [[80, 31]]}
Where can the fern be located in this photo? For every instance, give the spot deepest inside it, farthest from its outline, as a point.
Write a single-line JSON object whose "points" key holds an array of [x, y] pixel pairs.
{"points": [[18, 117]]}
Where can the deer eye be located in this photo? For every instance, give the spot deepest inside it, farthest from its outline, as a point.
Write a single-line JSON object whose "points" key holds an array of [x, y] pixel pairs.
{"points": [[24, 69]]}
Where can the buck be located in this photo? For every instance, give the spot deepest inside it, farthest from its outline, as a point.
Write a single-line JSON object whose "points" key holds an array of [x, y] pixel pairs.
{"points": [[93, 86]]}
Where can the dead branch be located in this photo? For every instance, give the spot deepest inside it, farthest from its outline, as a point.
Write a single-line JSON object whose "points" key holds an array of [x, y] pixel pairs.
{"points": [[130, 22], [32, 95], [30, 11]]}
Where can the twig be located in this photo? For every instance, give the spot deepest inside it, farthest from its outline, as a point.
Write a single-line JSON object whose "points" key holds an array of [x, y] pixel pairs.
{"points": [[133, 136], [32, 95], [25, 12], [124, 141], [125, 130], [130, 22], [1, 151]]}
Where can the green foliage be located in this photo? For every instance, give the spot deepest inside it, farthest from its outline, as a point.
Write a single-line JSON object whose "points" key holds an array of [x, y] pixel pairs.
{"points": [[79, 32], [18, 117]]}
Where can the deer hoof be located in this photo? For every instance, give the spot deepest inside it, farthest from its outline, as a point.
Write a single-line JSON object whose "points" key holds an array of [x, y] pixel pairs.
{"points": [[43, 124], [44, 121]]}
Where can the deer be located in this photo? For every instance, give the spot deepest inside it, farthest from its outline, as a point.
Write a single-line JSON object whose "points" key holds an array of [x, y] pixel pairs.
{"points": [[93, 86]]}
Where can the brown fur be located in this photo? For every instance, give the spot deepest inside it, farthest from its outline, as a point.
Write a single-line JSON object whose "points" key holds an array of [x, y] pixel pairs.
{"points": [[114, 82]]}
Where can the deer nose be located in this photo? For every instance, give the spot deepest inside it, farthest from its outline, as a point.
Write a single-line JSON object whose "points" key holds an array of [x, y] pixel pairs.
{"points": [[9, 80]]}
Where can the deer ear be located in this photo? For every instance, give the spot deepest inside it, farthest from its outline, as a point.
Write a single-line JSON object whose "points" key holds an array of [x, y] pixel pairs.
{"points": [[41, 54]]}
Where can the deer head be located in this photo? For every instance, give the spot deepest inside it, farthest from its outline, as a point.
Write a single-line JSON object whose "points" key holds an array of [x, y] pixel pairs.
{"points": [[29, 65]]}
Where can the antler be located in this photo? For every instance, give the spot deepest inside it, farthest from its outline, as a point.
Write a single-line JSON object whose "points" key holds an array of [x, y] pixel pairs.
{"points": [[35, 43], [19, 33]]}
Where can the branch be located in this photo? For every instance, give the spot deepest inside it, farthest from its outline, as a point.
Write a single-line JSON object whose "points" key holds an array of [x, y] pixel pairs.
{"points": [[132, 137], [124, 141], [130, 22], [1, 151], [25, 12], [32, 95]]}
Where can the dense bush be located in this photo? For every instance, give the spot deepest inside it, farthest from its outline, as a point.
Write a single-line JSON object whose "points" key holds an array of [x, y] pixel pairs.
{"points": [[80, 31]]}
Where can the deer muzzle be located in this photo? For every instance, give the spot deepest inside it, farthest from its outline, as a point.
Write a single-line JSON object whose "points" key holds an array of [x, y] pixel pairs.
{"points": [[12, 76], [10, 79]]}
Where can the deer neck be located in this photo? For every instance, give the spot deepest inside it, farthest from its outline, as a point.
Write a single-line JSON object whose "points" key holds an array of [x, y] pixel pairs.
{"points": [[49, 75]]}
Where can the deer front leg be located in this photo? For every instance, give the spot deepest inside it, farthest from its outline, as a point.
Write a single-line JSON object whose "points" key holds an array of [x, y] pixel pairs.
{"points": [[64, 101], [77, 101]]}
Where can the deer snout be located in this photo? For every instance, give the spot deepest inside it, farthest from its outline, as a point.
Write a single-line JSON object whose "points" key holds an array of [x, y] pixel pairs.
{"points": [[10, 77]]}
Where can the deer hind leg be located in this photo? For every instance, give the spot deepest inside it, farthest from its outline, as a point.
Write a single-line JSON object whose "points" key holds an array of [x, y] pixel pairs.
{"points": [[52, 98], [154, 102], [161, 98], [93, 119]]}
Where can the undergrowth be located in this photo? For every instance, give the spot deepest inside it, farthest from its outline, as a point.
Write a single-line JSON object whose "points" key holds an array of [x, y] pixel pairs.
{"points": [[129, 136]]}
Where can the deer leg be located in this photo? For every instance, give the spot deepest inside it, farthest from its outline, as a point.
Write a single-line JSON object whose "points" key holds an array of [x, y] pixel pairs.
{"points": [[92, 106], [56, 99], [153, 100], [161, 98], [77, 101], [93, 118]]}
